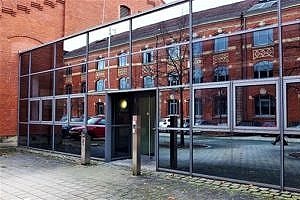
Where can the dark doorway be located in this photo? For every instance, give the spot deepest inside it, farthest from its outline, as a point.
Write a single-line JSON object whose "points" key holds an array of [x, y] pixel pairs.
{"points": [[124, 105]]}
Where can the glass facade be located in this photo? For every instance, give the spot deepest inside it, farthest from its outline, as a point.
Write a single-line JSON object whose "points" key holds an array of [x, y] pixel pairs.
{"points": [[217, 88]]}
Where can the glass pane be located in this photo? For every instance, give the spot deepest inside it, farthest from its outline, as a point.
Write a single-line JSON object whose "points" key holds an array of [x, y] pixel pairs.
{"points": [[23, 111], [243, 156], [211, 107], [96, 125], [256, 106], [42, 84], [64, 142], [24, 87], [24, 64], [42, 58], [174, 107], [71, 51], [22, 139], [171, 153], [97, 77], [61, 110], [47, 110], [291, 53], [40, 136], [34, 110]]}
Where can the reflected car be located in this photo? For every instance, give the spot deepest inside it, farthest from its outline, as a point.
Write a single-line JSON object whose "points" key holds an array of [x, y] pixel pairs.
{"points": [[95, 128], [65, 128]]}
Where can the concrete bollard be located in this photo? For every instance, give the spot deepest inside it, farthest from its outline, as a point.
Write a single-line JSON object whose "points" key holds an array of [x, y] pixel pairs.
{"points": [[85, 148]]}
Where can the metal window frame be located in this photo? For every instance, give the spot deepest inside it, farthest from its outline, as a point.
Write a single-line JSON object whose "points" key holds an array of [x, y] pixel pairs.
{"points": [[255, 82]]}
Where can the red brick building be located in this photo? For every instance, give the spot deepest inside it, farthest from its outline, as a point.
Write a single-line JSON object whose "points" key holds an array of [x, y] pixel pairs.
{"points": [[25, 24]]}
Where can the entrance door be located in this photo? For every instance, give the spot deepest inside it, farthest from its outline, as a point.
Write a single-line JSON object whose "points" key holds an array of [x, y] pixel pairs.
{"points": [[146, 110]]}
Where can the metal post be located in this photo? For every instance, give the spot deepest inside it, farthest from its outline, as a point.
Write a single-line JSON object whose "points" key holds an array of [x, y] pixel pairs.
{"points": [[136, 145], [130, 52], [191, 62], [53, 98], [281, 97], [157, 126], [29, 85], [108, 129], [85, 147]]}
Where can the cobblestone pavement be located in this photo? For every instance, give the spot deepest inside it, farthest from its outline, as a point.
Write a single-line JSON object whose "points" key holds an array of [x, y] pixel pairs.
{"points": [[31, 176]]}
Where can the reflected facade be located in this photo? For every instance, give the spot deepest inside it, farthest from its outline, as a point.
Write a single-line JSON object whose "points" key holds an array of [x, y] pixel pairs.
{"points": [[207, 82]]}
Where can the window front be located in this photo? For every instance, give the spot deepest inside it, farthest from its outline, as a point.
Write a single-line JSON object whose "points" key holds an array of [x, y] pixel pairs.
{"points": [[265, 105], [263, 38], [198, 106], [221, 74], [124, 83], [83, 68], [124, 11], [173, 107], [221, 44], [220, 105], [174, 52], [263, 69], [147, 57], [83, 87], [198, 75], [197, 49], [122, 59], [69, 71], [100, 108], [100, 85], [148, 82], [173, 79], [100, 64], [68, 89]]}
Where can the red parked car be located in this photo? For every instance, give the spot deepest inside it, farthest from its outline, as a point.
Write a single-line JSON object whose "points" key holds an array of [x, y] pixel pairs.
{"points": [[95, 128]]}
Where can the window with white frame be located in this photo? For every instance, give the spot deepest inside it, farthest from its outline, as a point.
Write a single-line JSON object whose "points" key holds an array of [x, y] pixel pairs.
{"points": [[198, 107], [148, 57], [148, 81], [124, 83], [83, 68], [83, 87], [100, 85], [124, 11], [100, 64], [221, 44], [198, 75], [173, 52], [122, 60], [100, 108], [69, 71], [173, 79], [263, 37], [263, 69], [221, 73], [265, 105], [68, 89], [173, 107]]}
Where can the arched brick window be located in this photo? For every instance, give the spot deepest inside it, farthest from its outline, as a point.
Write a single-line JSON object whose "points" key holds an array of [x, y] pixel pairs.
{"points": [[124, 11]]}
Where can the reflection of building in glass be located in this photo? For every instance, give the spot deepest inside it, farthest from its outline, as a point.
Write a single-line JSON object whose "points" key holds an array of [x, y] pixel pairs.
{"points": [[228, 91]]}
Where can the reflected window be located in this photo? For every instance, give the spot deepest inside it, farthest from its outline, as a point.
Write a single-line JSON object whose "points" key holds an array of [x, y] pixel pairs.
{"points": [[83, 68], [198, 106], [122, 60], [265, 105], [124, 11], [197, 49], [100, 85], [68, 89], [221, 74], [220, 105], [198, 75], [100, 64], [83, 87], [69, 71], [263, 38], [173, 107], [173, 52], [263, 69], [147, 57], [100, 108], [221, 44], [148, 82], [124, 83], [173, 79]]}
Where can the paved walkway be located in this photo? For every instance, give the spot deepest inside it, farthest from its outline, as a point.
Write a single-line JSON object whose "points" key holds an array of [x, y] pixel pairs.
{"points": [[31, 176]]}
